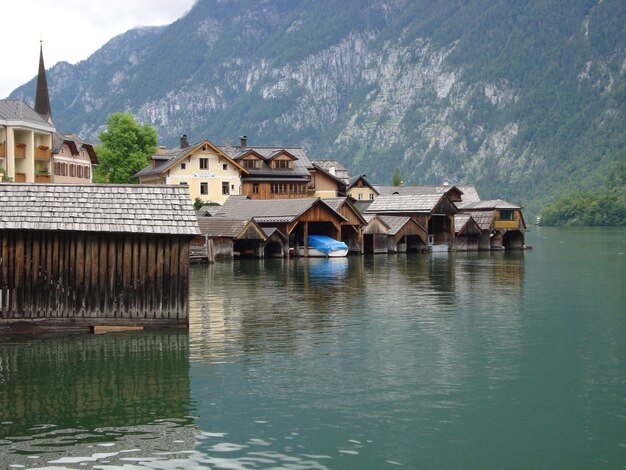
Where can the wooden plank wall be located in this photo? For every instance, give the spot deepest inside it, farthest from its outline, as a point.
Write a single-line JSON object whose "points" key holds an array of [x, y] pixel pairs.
{"points": [[71, 276]]}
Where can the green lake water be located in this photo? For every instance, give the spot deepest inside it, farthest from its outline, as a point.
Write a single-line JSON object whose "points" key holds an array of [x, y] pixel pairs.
{"points": [[454, 361]]}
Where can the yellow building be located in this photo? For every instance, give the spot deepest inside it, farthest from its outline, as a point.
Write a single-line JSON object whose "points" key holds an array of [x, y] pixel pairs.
{"points": [[359, 189], [31, 151], [25, 143], [210, 174]]}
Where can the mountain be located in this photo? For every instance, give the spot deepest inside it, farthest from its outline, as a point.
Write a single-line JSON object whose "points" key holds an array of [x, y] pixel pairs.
{"points": [[525, 99]]}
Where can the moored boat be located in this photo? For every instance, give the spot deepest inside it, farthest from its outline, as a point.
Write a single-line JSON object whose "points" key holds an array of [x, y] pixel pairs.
{"points": [[323, 246]]}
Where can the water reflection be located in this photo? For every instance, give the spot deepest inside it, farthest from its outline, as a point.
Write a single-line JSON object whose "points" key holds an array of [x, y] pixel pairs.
{"points": [[374, 351], [85, 399]]}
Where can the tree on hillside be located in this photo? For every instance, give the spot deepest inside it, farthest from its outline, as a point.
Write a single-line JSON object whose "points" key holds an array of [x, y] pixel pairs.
{"points": [[126, 148], [396, 179]]}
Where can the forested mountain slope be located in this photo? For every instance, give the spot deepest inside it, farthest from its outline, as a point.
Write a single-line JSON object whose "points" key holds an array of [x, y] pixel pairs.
{"points": [[525, 99]]}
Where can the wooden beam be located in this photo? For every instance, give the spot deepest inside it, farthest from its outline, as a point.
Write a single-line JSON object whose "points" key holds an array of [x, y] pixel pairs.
{"points": [[102, 329]]}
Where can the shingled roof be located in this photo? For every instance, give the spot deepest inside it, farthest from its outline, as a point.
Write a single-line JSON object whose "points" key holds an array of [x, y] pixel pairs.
{"points": [[301, 162], [98, 208], [17, 110], [484, 219], [395, 223], [224, 227], [278, 211], [404, 204], [486, 205]]}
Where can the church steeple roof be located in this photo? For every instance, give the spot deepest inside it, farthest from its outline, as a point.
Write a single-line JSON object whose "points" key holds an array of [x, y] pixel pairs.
{"points": [[42, 100]]}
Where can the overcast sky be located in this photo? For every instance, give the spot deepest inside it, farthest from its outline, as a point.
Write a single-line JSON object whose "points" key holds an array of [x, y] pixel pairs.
{"points": [[71, 30]]}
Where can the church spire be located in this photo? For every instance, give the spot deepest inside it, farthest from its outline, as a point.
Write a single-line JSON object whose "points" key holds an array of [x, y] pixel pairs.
{"points": [[42, 100]]}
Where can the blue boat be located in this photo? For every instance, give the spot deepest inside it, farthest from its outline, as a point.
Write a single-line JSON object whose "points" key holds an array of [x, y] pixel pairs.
{"points": [[323, 246]]}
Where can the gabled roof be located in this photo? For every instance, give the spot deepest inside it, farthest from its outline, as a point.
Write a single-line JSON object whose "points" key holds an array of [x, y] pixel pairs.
{"points": [[334, 168], [74, 142], [246, 152], [224, 227], [97, 208], [396, 223], [469, 193], [369, 217], [416, 190], [329, 174], [269, 231], [355, 179], [278, 153], [484, 219], [336, 203], [178, 154], [424, 203], [494, 204], [14, 111], [207, 210], [463, 222], [300, 166], [269, 210]]}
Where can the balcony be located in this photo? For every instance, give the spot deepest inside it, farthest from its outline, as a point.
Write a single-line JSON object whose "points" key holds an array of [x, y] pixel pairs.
{"points": [[42, 179], [20, 150], [43, 153], [507, 224], [3, 150], [20, 177]]}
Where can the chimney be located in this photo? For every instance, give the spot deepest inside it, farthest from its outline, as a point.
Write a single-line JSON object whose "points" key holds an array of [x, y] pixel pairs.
{"points": [[183, 141], [243, 141]]}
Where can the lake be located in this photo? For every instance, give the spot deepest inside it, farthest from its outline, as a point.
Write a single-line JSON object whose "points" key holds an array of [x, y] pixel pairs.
{"points": [[460, 360]]}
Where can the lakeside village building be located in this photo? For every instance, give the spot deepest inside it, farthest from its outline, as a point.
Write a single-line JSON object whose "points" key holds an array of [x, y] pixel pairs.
{"points": [[31, 148], [368, 218], [266, 201]]}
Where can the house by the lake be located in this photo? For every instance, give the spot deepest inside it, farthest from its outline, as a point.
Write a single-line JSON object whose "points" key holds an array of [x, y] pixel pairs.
{"points": [[88, 255], [295, 218], [31, 149], [501, 222], [433, 212], [208, 172]]}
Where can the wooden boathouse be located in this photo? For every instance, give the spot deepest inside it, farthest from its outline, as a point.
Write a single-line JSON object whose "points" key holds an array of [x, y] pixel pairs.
{"points": [[223, 237], [434, 212], [502, 223], [296, 219], [82, 256]]}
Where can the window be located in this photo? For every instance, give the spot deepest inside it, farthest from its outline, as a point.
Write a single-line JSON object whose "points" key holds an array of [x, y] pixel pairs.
{"points": [[72, 170], [204, 188], [506, 215], [360, 196], [57, 168], [183, 183], [251, 163], [255, 188], [282, 164], [225, 166], [371, 196], [278, 188], [80, 171], [87, 171], [297, 188], [183, 166], [225, 188], [63, 169], [204, 163]]}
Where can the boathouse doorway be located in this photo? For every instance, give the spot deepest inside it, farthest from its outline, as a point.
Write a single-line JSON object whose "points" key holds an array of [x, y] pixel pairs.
{"points": [[513, 240]]}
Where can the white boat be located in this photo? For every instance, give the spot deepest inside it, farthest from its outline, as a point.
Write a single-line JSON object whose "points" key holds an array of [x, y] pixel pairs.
{"points": [[318, 254], [321, 246]]}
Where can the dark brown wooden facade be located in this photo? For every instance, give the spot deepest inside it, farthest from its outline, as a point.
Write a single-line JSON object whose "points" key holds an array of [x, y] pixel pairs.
{"points": [[274, 190], [82, 256], [81, 278]]}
